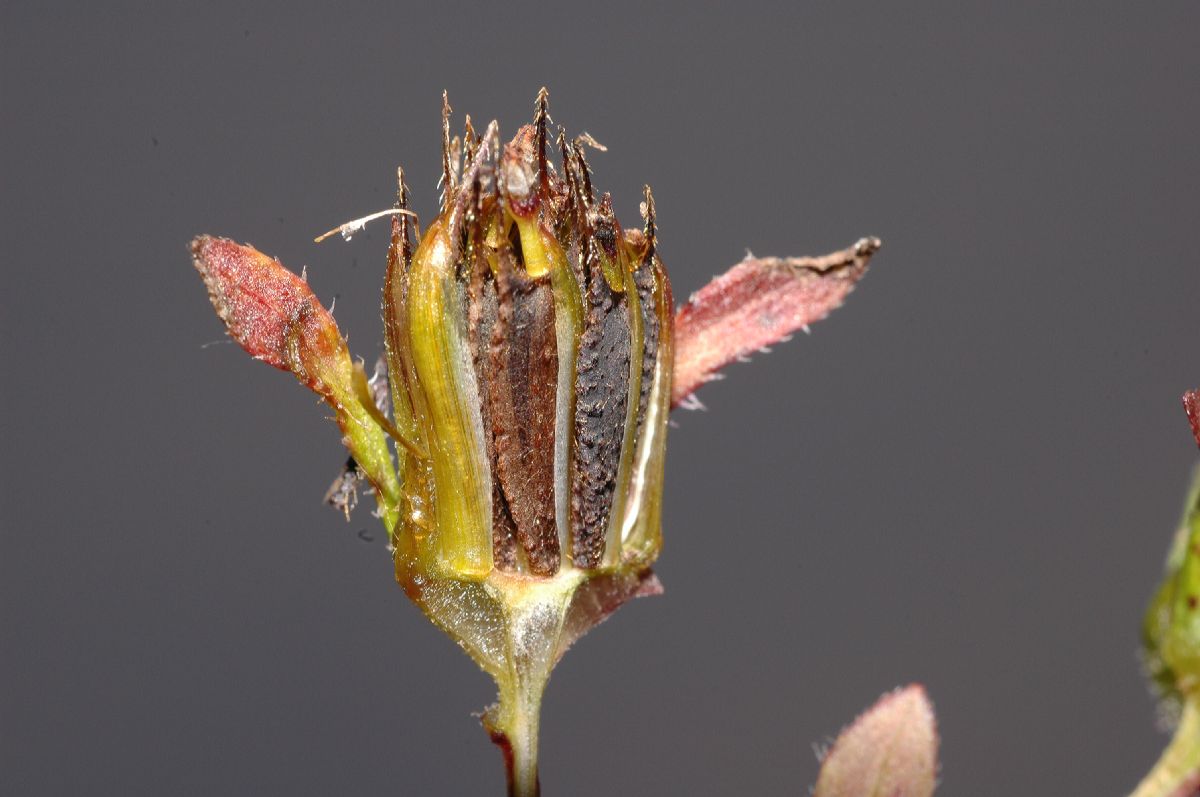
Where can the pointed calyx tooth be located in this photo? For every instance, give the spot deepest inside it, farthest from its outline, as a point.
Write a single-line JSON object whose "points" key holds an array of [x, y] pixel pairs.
{"points": [[758, 302], [519, 182], [585, 173], [651, 218], [470, 140], [448, 183], [890, 750], [567, 208], [540, 120]]}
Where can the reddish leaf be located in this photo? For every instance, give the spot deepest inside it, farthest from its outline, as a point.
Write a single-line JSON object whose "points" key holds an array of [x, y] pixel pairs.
{"points": [[889, 751], [758, 302], [276, 318], [1191, 405], [269, 311]]}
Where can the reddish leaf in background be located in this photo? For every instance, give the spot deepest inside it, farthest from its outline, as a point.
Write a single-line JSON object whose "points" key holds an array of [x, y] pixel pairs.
{"points": [[758, 302], [1191, 405], [889, 751]]}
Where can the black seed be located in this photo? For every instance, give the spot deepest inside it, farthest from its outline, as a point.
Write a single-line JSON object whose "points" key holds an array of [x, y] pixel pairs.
{"points": [[601, 397], [643, 280]]}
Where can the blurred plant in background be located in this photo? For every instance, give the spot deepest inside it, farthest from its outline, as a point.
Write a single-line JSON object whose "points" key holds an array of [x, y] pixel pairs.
{"points": [[1171, 646]]}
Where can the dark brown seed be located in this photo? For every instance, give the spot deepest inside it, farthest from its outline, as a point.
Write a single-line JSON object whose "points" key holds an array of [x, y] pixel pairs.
{"points": [[481, 321], [524, 372], [505, 548]]}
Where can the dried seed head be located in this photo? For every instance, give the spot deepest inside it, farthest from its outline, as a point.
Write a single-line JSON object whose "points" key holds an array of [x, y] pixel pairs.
{"points": [[531, 340], [530, 356]]}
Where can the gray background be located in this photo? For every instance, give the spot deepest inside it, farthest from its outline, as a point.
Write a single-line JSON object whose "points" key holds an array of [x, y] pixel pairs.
{"points": [[967, 477]]}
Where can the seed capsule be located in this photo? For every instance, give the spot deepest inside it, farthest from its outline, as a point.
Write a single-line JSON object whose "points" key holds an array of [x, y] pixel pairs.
{"points": [[526, 336], [531, 365]]}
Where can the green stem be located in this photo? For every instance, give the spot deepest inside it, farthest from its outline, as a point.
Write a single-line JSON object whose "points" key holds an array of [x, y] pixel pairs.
{"points": [[517, 736], [535, 611], [1177, 773]]}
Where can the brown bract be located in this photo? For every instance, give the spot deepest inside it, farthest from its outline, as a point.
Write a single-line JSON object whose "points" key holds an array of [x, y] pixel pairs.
{"points": [[758, 302]]}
